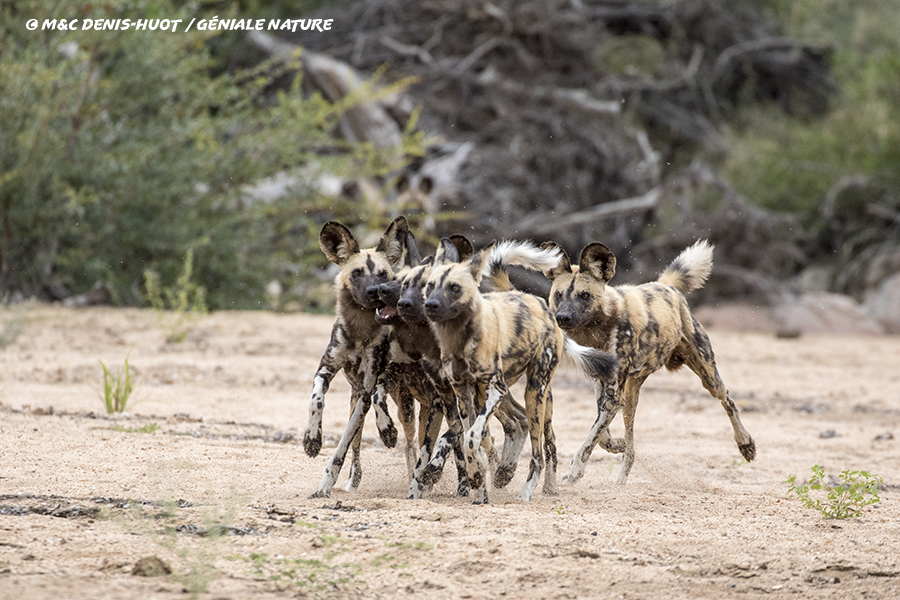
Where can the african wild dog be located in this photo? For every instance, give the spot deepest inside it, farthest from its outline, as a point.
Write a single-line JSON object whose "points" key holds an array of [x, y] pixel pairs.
{"points": [[408, 375], [422, 342], [413, 346], [359, 345], [404, 379], [648, 326], [487, 342]]}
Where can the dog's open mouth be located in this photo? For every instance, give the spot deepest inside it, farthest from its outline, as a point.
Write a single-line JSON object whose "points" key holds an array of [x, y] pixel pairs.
{"points": [[386, 315]]}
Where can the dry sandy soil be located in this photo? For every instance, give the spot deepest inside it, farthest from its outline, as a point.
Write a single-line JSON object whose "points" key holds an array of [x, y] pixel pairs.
{"points": [[209, 445]]}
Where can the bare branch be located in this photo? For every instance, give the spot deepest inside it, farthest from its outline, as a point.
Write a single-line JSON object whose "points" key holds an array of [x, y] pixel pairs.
{"points": [[543, 223], [407, 49]]}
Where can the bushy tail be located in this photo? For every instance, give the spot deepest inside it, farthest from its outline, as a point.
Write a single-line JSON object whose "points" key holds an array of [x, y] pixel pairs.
{"points": [[596, 364], [520, 253], [690, 269]]}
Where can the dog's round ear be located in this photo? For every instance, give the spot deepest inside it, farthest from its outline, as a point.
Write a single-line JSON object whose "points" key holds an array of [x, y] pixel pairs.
{"points": [[463, 246], [598, 261], [426, 184], [337, 242], [563, 267], [393, 242], [446, 253]]}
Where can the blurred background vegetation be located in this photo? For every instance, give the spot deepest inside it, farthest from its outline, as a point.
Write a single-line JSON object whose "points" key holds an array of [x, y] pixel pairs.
{"points": [[122, 151]]}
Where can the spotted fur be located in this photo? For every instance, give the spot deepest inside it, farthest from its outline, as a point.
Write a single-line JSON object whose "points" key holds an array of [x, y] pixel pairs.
{"points": [[487, 342], [359, 345], [647, 326], [510, 413]]}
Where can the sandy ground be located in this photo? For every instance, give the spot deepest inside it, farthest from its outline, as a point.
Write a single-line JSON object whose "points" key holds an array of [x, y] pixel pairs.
{"points": [[209, 446]]}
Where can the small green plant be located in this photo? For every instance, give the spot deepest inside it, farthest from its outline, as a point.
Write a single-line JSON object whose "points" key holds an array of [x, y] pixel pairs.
{"points": [[117, 388], [856, 490], [148, 428], [177, 306], [304, 574]]}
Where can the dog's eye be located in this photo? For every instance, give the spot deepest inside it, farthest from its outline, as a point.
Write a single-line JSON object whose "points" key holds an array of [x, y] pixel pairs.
{"points": [[558, 296], [404, 287], [585, 295], [356, 273], [383, 274], [454, 287], [429, 288]]}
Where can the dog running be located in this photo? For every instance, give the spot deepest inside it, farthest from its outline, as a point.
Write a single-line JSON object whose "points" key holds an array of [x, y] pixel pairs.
{"points": [[487, 342], [647, 327]]}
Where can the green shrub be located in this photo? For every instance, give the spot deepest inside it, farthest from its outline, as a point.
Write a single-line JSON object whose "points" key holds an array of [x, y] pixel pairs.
{"points": [[856, 490], [121, 150], [789, 164]]}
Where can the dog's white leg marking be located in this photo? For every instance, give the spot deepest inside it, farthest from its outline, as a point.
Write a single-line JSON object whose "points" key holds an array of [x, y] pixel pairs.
{"points": [[514, 427], [479, 494], [632, 395], [312, 436], [333, 468], [607, 406], [386, 428], [534, 469], [476, 466], [429, 442]]}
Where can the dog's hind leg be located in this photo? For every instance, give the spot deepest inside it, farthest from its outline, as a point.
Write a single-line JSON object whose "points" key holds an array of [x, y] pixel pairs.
{"points": [[353, 431], [537, 395], [701, 360], [355, 477], [609, 402], [550, 458], [631, 396], [512, 418], [429, 471], [405, 398]]}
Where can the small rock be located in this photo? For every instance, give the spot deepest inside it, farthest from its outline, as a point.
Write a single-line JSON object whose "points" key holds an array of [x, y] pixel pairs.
{"points": [[884, 437], [883, 305], [151, 566], [829, 433]]}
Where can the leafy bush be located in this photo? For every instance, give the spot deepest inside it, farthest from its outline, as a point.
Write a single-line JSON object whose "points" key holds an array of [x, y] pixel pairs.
{"points": [[790, 164], [857, 490], [122, 150]]}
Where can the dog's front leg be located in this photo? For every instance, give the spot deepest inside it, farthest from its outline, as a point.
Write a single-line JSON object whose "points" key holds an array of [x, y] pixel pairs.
{"points": [[450, 441], [375, 378], [430, 430], [476, 466], [354, 427], [609, 402], [328, 368]]}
